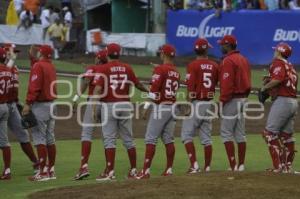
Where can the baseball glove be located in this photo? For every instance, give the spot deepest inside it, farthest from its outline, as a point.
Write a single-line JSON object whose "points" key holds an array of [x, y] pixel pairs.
{"points": [[263, 96], [29, 121]]}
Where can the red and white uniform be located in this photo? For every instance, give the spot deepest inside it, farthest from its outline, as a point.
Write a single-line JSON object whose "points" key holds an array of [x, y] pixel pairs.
{"points": [[14, 85], [5, 81], [90, 74], [165, 83], [117, 79], [284, 71], [202, 78], [41, 86], [235, 77]]}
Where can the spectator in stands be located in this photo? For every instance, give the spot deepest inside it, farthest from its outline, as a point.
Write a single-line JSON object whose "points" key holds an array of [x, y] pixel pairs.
{"points": [[272, 4], [55, 15], [293, 4], [174, 4], [33, 6], [57, 33], [26, 19], [19, 6], [68, 19], [45, 19], [199, 4]]}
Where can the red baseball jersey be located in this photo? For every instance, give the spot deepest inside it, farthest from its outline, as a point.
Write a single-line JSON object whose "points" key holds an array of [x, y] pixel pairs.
{"points": [[202, 79], [42, 82], [165, 83], [5, 79], [90, 74], [14, 87], [116, 81], [285, 72], [235, 77]]}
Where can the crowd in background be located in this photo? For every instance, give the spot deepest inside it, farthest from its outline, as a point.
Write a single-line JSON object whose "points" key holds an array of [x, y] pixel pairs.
{"points": [[56, 22], [234, 4]]}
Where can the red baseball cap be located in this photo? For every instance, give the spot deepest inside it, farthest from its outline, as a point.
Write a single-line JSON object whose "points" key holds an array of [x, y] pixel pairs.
{"points": [[168, 50], [2, 53], [46, 50], [113, 49], [202, 44], [8, 46], [102, 55], [228, 39], [284, 49]]}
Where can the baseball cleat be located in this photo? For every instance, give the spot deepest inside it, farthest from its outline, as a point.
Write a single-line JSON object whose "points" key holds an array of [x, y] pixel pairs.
{"points": [[132, 173], [193, 170], [167, 172], [6, 175], [207, 169], [235, 168], [83, 173], [52, 175], [143, 175], [271, 170], [106, 176], [39, 177], [241, 168]]}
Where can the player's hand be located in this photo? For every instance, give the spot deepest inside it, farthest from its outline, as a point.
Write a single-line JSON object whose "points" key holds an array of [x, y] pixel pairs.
{"points": [[26, 109]]}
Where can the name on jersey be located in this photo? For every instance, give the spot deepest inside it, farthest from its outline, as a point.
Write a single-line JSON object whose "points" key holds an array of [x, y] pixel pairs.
{"points": [[118, 69], [5, 74], [173, 74], [206, 66]]}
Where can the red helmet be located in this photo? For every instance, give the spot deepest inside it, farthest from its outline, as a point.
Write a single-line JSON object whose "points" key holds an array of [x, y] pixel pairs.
{"points": [[284, 49], [113, 49], [202, 44], [46, 51], [168, 50]]}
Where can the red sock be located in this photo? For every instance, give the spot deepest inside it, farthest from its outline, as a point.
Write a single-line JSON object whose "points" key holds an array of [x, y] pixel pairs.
{"points": [[229, 146], [242, 152], [170, 152], [110, 158], [190, 149], [291, 152], [28, 150], [86, 147], [149, 154], [42, 155], [132, 157], [6, 157], [51, 155], [207, 155]]}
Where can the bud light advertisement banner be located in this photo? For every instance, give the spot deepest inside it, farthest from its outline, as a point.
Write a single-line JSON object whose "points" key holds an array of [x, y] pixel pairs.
{"points": [[256, 31]]}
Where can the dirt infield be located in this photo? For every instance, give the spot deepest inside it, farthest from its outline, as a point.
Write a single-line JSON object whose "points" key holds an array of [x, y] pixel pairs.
{"points": [[70, 129], [215, 185]]}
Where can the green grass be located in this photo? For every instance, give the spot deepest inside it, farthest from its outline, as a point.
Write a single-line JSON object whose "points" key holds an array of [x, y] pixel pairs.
{"points": [[68, 159]]}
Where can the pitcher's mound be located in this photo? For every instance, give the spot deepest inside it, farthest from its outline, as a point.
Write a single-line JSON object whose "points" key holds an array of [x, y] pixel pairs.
{"points": [[217, 185]]}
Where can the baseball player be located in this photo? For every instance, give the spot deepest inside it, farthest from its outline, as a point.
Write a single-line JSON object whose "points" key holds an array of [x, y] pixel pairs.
{"points": [[87, 131], [14, 119], [279, 129], [235, 85], [40, 96], [5, 78], [116, 109], [202, 78], [164, 86]]}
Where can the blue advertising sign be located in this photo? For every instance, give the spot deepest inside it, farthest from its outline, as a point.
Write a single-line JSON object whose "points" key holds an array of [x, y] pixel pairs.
{"points": [[256, 31]]}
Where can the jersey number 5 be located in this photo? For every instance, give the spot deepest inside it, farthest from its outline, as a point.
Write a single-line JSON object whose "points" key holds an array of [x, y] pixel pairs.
{"points": [[207, 80]]}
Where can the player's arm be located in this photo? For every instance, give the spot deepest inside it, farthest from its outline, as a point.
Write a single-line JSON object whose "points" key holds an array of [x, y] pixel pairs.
{"points": [[99, 83], [136, 82], [85, 81], [277, 76], [227, 75], [34, 87], [190, 83]]}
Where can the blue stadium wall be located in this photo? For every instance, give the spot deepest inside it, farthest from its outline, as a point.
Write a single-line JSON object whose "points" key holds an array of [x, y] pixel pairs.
{"points": [[257, 31]]}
